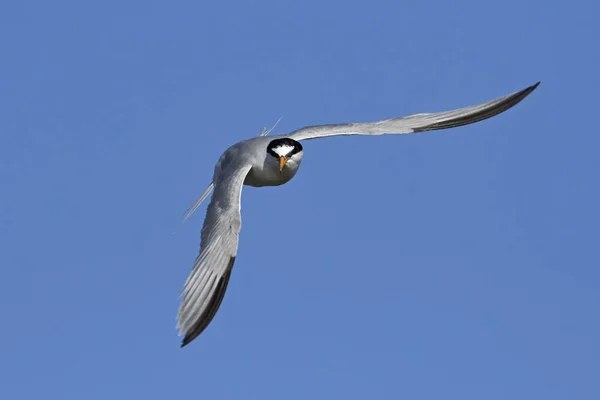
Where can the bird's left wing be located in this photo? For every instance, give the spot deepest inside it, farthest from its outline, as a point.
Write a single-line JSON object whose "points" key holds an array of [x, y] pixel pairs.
{"points": [[417, 122], [206, 285]]}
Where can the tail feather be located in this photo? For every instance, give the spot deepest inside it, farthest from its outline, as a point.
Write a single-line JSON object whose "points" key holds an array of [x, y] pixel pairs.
{"points": [[266, 131], [188, 213]]}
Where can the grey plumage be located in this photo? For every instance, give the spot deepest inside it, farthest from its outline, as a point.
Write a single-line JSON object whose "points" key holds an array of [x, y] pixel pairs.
{"points": [[418, 122], [248, 163]]}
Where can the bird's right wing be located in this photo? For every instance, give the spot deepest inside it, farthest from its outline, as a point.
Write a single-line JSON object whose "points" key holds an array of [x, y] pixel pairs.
{"points": [[417, 122], [206, 285]]}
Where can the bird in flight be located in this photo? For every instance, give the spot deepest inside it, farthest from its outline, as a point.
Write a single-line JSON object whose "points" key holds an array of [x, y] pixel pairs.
{"points": [[273, 161]]}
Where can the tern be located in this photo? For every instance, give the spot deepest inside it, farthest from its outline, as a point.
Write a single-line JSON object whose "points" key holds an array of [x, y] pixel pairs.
{"points": [[273, 161]]}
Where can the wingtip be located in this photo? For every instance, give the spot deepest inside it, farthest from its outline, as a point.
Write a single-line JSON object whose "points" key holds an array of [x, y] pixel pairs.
{"points": [[531, 88], [518, 96], [187, 339]]}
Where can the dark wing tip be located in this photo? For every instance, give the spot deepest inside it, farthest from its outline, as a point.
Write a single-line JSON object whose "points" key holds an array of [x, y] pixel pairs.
{"points": [[530, 89], [516, 98], [506, 103], [211, 308]]}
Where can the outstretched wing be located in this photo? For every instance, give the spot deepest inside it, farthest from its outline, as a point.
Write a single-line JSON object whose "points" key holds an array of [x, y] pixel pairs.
{"points": [[206, 285], [417, 122]]}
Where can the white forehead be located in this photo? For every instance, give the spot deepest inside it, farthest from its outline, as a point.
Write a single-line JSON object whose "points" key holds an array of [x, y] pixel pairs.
{"points": [[283, 150]]}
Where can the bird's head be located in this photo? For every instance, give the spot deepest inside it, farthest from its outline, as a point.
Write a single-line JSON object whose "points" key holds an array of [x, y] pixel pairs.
{"points": [[287, 152]]}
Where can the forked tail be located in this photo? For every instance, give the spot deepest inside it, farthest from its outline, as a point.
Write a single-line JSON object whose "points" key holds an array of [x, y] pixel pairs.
{"points": [[188, 213]]}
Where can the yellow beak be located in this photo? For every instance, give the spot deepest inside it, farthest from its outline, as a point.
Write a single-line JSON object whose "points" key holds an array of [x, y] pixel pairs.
{"points": [[282, 161]]}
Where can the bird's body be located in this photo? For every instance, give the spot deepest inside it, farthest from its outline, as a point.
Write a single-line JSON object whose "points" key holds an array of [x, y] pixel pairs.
{"points": [[266, 171], [273, 161]]}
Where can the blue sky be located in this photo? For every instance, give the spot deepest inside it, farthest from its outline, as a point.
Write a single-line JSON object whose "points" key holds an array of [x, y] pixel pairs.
{"points": [[455, 264]]}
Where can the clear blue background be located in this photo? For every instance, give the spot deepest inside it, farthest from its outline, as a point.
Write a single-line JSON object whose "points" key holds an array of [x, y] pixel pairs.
{"points": [[456, 264]]}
